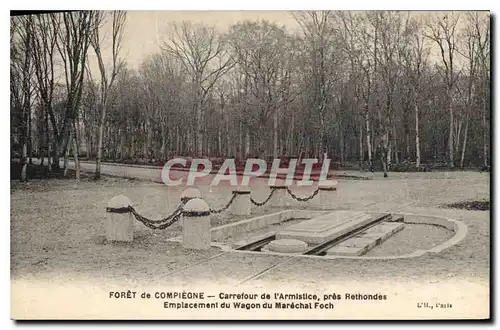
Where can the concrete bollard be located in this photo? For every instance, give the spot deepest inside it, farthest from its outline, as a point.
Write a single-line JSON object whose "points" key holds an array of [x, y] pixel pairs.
{"points": [[327, 194], [241, 204], [196, 225], [119, 220], [188, 194], [279, 197]]}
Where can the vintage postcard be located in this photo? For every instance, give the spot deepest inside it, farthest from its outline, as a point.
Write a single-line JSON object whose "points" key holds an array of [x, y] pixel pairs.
{"points": [[255, 165]]}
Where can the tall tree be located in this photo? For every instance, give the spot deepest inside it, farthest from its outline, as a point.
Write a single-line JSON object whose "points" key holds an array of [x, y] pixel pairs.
{"points": [[107, 76], [415, 54], [204, 56], [21, 86], [443, 31], [481, 28], [320, 39], [43, 50], [74, 31]]}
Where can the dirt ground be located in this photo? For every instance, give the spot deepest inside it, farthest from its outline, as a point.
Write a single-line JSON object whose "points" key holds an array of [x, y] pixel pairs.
{"points": [[59, 225], [57, 235]]}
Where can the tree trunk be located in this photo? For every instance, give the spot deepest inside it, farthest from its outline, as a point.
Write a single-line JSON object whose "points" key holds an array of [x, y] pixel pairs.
{"points": [[199, 130], [239, 153], [228, 140], [320, 150], [361, 151], [149, 139], [407, 141], [389, 153], [24, 164], [29, 142], [78, 137], [342, 145], [417, 136], [383, 155], [456, 140], [275, 133], [56, 158], [368, 137], [98, 158], [465, 140], [384, 164], [219, 142], [47, 136], [395, 145], [76, 151], [485, 133], [163, 143], [122, 144], [66, 156], [177, 141], [247, 143], [450, 135], [132, 147]]}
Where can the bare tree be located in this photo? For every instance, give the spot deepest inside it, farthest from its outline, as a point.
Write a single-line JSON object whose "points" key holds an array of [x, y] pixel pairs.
{"points": [[320, 39], [443, 31], [470, 53], [21, 86], [43, 49], [107, 76], [481, 28], [264, 90], [204, 56], [415, 55], [73, 31]]}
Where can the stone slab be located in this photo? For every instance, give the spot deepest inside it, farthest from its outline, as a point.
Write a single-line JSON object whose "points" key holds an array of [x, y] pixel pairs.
{"points": [[223, 232], [366, 240], [326, 227]]}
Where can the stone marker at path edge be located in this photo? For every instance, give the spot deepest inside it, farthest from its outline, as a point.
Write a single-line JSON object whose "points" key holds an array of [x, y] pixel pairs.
{"points": [[278, 199], [188, 194], [196, 225], [241, 204], [327, 194], [119, 221]]}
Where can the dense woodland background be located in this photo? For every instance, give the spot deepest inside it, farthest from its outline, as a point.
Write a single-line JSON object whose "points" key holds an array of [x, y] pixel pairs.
{"points": [[377, 89]]}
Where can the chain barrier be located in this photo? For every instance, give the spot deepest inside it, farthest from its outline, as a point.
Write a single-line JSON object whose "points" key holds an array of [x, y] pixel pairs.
{"points": [[159, 224], [264, 202], [225, 207], [302, 199], [153, 224]]}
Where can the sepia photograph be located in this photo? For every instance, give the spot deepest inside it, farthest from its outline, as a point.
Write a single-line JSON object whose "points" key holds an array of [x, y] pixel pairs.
{"points": [[250, 165]]}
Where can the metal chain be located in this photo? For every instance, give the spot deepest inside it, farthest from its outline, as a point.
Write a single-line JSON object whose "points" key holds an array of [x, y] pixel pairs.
{"points": [[159, 224], [225, 207], [264, 202], [304, 199]]}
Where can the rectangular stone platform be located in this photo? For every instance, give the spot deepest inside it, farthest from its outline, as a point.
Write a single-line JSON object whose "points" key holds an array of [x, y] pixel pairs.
{"points": [[326, 227], [366, 240]]}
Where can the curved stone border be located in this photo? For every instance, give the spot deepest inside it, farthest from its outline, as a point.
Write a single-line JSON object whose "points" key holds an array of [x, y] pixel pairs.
{"points": [[458, 227]]}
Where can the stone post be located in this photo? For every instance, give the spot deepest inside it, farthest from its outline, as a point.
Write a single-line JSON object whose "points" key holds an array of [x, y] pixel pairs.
{"points": [[279, 197], [327, 194], [241, 204], [119, 220], [188, 194], [196, 225]]}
